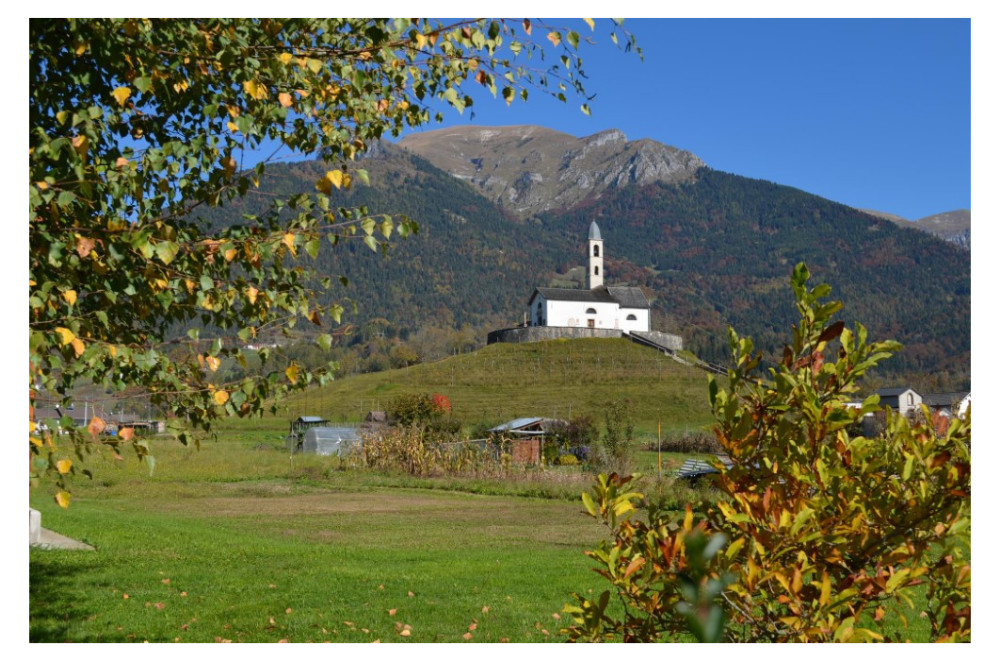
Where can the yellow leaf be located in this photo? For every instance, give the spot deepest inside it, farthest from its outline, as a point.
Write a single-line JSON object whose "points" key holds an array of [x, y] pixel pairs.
{"points": [[285, 99], [62, 498], [554, 37], [285, 58], [590, 22], [292, 373], [232, 127], [65, 335], [69, 296], [121, 95], [80, 144], [63, 466], [323, 185], [289, 241], [255, 89], [213, 363], [229, 167], [220, 397], [252, 294], [231, 254], [77, 346], [421, 40], [336, 177]]}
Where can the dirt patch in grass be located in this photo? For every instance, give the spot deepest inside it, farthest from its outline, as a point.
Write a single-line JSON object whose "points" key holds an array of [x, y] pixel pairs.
{"points": [[279, 502]]}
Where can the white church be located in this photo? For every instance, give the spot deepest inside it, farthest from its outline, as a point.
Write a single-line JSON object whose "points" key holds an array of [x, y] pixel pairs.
{"points": [[597, 307]]}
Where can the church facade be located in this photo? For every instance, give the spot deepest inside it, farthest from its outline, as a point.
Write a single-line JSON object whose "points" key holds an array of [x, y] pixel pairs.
{"points": [[598, 307]]}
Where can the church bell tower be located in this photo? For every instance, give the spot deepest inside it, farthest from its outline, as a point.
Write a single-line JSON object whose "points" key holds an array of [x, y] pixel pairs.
{"points": [[595, 257]]}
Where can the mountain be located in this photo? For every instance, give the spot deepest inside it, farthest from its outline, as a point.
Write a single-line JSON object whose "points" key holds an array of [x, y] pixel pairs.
{"points": [[954, 226], [709, 249], [528, 170]]}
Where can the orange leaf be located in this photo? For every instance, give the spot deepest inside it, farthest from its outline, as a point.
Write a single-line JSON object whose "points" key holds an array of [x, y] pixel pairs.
{"points": [[77, 346], [96, 426], [285, 99], [126, 434], [84, 246]]}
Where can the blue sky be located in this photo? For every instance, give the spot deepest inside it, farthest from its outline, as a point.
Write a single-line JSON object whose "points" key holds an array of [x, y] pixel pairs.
{"points": [[874, 113]]}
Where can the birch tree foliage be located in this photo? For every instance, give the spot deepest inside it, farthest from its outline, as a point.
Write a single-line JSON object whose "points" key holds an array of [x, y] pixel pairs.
{"points": [[139, 126]]}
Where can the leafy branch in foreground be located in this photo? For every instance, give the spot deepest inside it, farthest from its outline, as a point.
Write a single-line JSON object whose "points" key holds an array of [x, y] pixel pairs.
{"points": [[827, 537], [139, 126]]}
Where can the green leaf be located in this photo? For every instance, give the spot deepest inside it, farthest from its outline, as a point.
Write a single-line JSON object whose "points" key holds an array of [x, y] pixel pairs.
{"points": [[166, 251], [312, 247]]}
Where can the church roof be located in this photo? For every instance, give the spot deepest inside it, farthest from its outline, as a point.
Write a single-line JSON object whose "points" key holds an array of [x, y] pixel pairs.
{"points": [[626, 297], [595, 232], [629, 297]]}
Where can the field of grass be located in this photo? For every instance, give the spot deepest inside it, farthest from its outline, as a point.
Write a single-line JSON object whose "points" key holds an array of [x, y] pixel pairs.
{"points": [[237, 541]]}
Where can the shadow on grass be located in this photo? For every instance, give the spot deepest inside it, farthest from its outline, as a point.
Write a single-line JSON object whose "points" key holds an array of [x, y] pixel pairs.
{"points": [[55, 600]]}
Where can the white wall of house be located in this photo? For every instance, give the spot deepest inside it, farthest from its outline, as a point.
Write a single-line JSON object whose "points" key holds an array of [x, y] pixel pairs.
{"points": [[574, 313], [909, 400], [640, 323]]}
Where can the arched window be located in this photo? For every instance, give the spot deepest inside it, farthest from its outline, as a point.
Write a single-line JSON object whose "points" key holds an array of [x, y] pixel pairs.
{"points": [[597, 271], [597, 251], [909, 398], [591, 311], [631, 318]]}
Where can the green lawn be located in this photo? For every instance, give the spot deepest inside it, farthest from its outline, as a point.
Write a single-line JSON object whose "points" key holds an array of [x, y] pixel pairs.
{"points": [[268, 561]]}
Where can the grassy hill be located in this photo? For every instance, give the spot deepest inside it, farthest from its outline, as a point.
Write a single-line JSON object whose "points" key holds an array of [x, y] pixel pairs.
{"points": [[560, 378]]}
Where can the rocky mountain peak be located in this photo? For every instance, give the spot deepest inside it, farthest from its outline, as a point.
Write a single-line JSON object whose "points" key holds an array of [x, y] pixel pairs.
{"points": [[531, 169]]}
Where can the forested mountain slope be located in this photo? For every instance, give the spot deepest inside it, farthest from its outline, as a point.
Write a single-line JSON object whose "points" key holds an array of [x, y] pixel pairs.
{"points": [[713, 251]]}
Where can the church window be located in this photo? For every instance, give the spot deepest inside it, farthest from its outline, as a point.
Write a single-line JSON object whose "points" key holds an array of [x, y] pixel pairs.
{"points": [[631, 318], [597, 271], [591, 311], [597, 251]]}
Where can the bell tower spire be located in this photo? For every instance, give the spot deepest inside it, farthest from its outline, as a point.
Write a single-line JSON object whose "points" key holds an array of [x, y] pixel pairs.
{"points": [[595, 257]]}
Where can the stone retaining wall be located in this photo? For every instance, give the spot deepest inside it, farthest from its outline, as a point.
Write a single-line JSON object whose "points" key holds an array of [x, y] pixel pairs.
{"points": [[537, 333]]}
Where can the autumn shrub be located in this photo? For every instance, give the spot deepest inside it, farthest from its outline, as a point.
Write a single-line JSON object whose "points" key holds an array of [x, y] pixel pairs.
{"points": [[817, 534]]}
